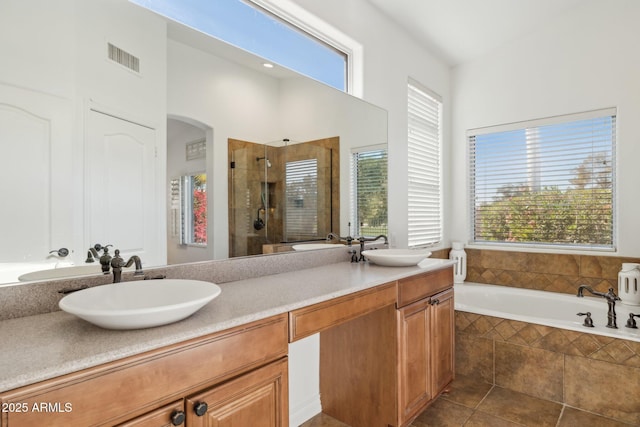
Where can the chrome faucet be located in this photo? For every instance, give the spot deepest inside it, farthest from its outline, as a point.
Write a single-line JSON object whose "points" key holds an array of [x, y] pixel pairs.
{"points": [[117, 264], [363, 239], [611, 298]]}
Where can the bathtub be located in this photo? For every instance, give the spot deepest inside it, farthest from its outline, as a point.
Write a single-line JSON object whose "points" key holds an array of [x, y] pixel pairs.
{"points": [[544, 308]]}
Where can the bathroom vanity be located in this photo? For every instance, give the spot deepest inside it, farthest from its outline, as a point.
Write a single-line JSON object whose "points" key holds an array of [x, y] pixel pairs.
{"points": [[386, 339]]}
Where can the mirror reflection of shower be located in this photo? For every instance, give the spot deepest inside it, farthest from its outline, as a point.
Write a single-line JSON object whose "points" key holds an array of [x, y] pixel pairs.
{"points": [[267, 162], [259, 223], [272, 203]]}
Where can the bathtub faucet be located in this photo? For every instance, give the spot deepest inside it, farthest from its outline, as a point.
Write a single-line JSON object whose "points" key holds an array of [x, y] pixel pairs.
{"points": [[611, 298]]}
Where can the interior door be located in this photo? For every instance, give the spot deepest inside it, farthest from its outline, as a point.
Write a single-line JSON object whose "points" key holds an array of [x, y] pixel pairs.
{"points": [[36, 165], [120, 195]]}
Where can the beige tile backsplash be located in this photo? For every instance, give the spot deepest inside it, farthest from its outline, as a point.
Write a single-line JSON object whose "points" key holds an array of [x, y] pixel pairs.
{"points": [[541, 271]]}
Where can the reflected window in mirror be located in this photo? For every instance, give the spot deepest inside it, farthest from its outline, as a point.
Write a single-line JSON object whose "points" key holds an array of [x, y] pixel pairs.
{"points": [[369, 191], [301, 186], [188, 214], [253, 28]]}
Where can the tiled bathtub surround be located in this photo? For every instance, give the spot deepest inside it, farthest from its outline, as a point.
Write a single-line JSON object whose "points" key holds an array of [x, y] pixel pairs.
{"points": [[541, 271], [589, 372]]}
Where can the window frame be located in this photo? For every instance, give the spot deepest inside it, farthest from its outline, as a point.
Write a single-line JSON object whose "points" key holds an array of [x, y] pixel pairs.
{"points": [[529, 124], [299, 20], [311, 24], [181, 198]]}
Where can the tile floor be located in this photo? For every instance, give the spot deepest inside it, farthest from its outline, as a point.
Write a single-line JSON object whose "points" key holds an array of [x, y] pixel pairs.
{"points": [[471, 403]]}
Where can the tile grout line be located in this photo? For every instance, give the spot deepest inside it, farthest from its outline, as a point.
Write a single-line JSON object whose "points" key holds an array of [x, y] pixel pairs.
{"points": [[561, 414]]}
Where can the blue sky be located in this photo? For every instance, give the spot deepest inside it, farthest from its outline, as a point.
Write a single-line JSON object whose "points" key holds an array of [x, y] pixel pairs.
{"points": [[561, 148], [244, 26]]}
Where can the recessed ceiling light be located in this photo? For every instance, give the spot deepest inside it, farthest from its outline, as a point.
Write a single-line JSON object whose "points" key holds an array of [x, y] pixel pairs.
{"points": [[267, 65]]}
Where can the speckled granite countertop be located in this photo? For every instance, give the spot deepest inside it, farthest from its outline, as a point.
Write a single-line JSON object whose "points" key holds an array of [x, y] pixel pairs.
{"points": [[44, 346]]}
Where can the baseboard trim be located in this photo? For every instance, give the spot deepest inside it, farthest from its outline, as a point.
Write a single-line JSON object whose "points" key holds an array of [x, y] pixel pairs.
{"points": [[304, 411]]}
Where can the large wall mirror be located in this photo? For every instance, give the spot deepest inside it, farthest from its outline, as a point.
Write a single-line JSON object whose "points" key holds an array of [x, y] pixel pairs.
{"points": [[105, 106]]}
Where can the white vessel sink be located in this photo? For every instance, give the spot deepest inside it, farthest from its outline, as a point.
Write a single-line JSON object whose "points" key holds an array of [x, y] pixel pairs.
{"points": [[396, 257], [141, 303], [314, 246], [70, 271]]}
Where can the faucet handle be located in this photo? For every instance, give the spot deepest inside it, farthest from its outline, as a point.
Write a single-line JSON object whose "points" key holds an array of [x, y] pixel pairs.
{"points": [[105, 260], [62, 252], [117, 261], [588, 321], [631, 322], [613, 295]]}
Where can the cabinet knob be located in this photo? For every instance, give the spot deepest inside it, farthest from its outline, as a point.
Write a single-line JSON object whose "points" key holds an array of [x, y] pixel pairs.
{"points": [[177, 418], [200, 408], [435, 301]]}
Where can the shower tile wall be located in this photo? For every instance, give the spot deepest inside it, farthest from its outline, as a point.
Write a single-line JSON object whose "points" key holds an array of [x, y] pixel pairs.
{"points": [[548, 272]]}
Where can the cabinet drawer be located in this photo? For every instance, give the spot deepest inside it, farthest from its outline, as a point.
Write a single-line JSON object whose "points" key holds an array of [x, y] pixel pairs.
{"points": [[414, 288], [161, 417], [121, 390], [318, 317]]}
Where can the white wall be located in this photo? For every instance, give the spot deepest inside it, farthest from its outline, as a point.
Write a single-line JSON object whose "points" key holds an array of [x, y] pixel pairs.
{"points": [[580, 61], [390, 57]]}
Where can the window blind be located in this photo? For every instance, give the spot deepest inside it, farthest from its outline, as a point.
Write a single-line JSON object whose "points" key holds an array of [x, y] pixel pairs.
{"points": [[175, 209], [369, 192], [301, 186], [424, 166], [549, 181]]}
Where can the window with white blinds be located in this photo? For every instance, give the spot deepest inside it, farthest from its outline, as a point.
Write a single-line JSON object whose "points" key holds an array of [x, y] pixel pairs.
{"points": [[545, 182], [301, 188], [369, 191], [424, 166]]}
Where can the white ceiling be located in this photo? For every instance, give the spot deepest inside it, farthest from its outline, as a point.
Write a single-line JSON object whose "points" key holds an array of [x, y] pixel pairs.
{"points": [[460, 30]]}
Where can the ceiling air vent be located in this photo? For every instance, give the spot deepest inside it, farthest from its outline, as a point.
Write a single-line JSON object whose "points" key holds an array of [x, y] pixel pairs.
{"points": [[123, 58]]}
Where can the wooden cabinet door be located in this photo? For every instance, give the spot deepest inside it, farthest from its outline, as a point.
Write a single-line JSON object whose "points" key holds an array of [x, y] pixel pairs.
{"points": [[425, 352], [414, 374], [256, 399], [442, 340]]}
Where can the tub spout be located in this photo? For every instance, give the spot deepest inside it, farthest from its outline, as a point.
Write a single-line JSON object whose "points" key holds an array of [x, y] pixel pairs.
{"points": [[611, 298]]}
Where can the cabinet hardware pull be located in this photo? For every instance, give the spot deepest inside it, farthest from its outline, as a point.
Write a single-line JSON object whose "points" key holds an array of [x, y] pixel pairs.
{"points": [[200, 408], [435, 301], [177, 418]]}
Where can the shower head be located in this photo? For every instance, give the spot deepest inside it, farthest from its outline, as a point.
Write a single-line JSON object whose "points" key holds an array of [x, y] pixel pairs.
{"points": [[264, 158]]}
